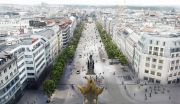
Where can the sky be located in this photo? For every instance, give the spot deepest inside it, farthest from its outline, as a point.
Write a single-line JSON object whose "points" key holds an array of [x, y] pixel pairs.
{"points": [[98, 2]]}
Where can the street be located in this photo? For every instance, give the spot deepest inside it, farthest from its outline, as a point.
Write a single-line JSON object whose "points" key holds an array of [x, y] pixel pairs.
{"points": [[89, 45]]}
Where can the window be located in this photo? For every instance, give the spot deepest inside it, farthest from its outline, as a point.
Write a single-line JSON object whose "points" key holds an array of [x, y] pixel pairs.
{"points": [[28, 56], [176, 67], [150, 52], [152, 72], [0, 74], [19, 59], [150, 41], [30, 68], [172, 55], [145, 78], [10, 67], [161, 61], [22, 71], [158, 81], [179, 73], [155, 53], [175, 74], [146, 71], [160, 67], [15, 70], [177, 61], [154, 60], [5, 70], [177, 55], [11, 74], [147, 59], [158, 74], [29, 62], [156, 48], [172, 68], [161, 49], [147, 64], [169, 82], [172, 62], [157, 42], [22, 64], [161, 54], [170, 75], [6, 78], [153, 66], [150, 48], [30, 73], [1, 81]]}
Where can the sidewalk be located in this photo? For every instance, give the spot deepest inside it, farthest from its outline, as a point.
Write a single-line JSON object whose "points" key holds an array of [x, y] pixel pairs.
{"points": [[33, 97]]}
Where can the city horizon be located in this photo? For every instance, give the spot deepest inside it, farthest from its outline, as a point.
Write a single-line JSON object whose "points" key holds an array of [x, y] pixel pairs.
{"points": [[94, 3], [89, 52]]}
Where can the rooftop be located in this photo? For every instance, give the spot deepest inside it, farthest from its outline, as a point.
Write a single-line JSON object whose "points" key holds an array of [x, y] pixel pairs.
{"points": [[5, 59], [48, 33], [28, 41]]}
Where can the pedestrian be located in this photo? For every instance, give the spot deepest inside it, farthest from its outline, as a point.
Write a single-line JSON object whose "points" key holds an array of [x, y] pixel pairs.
{"points": [[125, 87], [146, 98], [72, 86], [169, 98], [145, 90]]}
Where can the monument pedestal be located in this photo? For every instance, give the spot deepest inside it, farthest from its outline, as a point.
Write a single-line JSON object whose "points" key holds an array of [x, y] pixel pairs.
{"points": [[90, 66], [86, 102], [90, 73]]}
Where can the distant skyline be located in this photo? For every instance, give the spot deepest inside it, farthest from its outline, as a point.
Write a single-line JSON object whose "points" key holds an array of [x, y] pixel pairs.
{"points": [[98, 2]]}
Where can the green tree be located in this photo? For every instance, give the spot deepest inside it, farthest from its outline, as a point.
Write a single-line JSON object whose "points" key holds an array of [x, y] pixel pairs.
{"points": [[48, 88], [55, 76], [111, 49]]}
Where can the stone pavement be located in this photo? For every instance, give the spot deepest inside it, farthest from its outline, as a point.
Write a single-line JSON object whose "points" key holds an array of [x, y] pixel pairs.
{"points": [[33, 97], [146, 93]]}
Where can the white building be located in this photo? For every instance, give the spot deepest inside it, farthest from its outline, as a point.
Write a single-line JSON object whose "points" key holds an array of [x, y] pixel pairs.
{"points": [[72, 25], [150, 43], [10, 87], [18, 51], [156, 57], [34, 58], [48, 35], [65, 28]]}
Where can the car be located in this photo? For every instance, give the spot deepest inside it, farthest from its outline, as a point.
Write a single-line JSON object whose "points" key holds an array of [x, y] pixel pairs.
{"points": [[78, 72]]}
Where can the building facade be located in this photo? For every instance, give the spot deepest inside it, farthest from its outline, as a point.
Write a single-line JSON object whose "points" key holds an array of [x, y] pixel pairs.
{"points": [[10, 87]]}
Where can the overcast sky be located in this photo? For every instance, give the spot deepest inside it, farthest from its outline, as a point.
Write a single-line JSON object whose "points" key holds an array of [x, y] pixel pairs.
{"points": [[96, 2]]}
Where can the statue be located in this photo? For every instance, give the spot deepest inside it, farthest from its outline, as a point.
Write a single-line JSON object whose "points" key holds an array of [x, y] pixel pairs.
{"points": [[90, 92], [90, 66]]}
